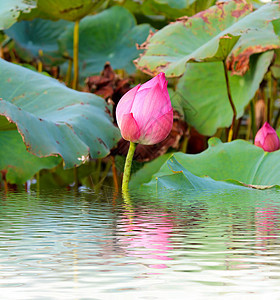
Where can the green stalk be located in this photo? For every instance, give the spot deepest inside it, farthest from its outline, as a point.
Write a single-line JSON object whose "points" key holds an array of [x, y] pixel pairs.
{"points": [[230, 133], [68, 74], [276, 119], [40, 64], [76, 177], [270, 97], [253, 119], [38, 181], [127, 167], [76, 55], [184, 145], [115, 174]]}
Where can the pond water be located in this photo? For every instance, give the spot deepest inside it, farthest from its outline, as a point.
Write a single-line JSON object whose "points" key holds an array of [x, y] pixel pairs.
{"points": [[86, 245]]}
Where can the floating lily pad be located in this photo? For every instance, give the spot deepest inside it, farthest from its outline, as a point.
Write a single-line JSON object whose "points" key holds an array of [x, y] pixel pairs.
{"points": [[228, 31], [16, 163], [145, 173], [108, 36], [201, 94], [31, 37], [53, 119], [238, 163], [182, 179]]}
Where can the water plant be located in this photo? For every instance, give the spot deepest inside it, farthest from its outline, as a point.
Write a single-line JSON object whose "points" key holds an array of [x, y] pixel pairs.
{"points": [[145, 116], [222, 62], [267, 138]]}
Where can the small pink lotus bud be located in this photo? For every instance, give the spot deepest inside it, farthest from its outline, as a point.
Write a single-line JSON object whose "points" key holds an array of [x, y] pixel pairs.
{"points": [[267, 138], [144, 114]]}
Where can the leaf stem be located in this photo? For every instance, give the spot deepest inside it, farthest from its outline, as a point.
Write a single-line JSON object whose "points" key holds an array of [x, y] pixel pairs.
{"points": [[68, 74], [230, 133], [40, 64], [270, 97], [115, 175], [76, 55], [253, 119], [76, 177], [38, 181], [276, 119], [127, 167]]}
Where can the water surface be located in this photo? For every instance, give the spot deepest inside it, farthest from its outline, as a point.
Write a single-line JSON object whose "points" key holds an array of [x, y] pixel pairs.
{"points": [[84, 245]]}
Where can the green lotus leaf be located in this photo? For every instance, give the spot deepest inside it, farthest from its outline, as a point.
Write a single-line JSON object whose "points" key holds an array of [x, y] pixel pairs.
{"points": [[17, 164], [201, 94], [108, 36], [31, 37], [173, 9], [53, 119], [275, 68], [70, 10], [182, 179], [146, 172], [11, 10], [165, 9], [227, 31], [237, 163], [59, 177]]}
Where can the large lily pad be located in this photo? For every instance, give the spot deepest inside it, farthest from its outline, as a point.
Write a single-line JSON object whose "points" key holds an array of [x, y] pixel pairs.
{"points": [[70, 10], [16, 163], [165, 9], [182, 179], [146, 172], [201, 94], [173, 9], [11, 10], [53, 119], [228, 30], [108, 36], [31, 37], [237, 162]]}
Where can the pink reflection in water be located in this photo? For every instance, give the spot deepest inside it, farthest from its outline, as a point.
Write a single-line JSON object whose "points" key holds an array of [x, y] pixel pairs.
{"points": [[267, 219], [146, 235]]}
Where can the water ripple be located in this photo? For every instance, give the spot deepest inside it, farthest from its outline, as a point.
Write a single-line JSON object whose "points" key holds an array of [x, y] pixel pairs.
{"points": [[82, 245]]}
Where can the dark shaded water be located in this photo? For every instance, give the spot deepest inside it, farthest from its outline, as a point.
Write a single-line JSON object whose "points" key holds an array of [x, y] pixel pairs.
{"points": [[82, 245]]}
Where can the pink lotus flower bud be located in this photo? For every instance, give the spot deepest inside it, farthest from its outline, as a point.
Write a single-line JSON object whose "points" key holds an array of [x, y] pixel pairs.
{"points": [[267, 139], [144, 114]]}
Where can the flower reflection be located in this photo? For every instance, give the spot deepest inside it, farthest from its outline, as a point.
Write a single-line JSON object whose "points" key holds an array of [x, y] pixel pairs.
{"points": [[266, 223], [146, 234]]}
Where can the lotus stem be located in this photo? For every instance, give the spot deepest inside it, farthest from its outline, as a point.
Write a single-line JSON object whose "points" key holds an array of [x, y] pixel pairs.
{"points": [[276, 119], [69, 71], [102, 176], [38, 181], [230, 133], [115, 175], [76, 177], [76, 55], [253, 118], [270, 96], [184, 145], [127, 167], [97, 170], [40, 64]]}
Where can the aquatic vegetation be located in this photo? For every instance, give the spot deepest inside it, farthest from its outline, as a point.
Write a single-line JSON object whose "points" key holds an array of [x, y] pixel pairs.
{"points": [[267, 138], [144, 115], [221, 61]]}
